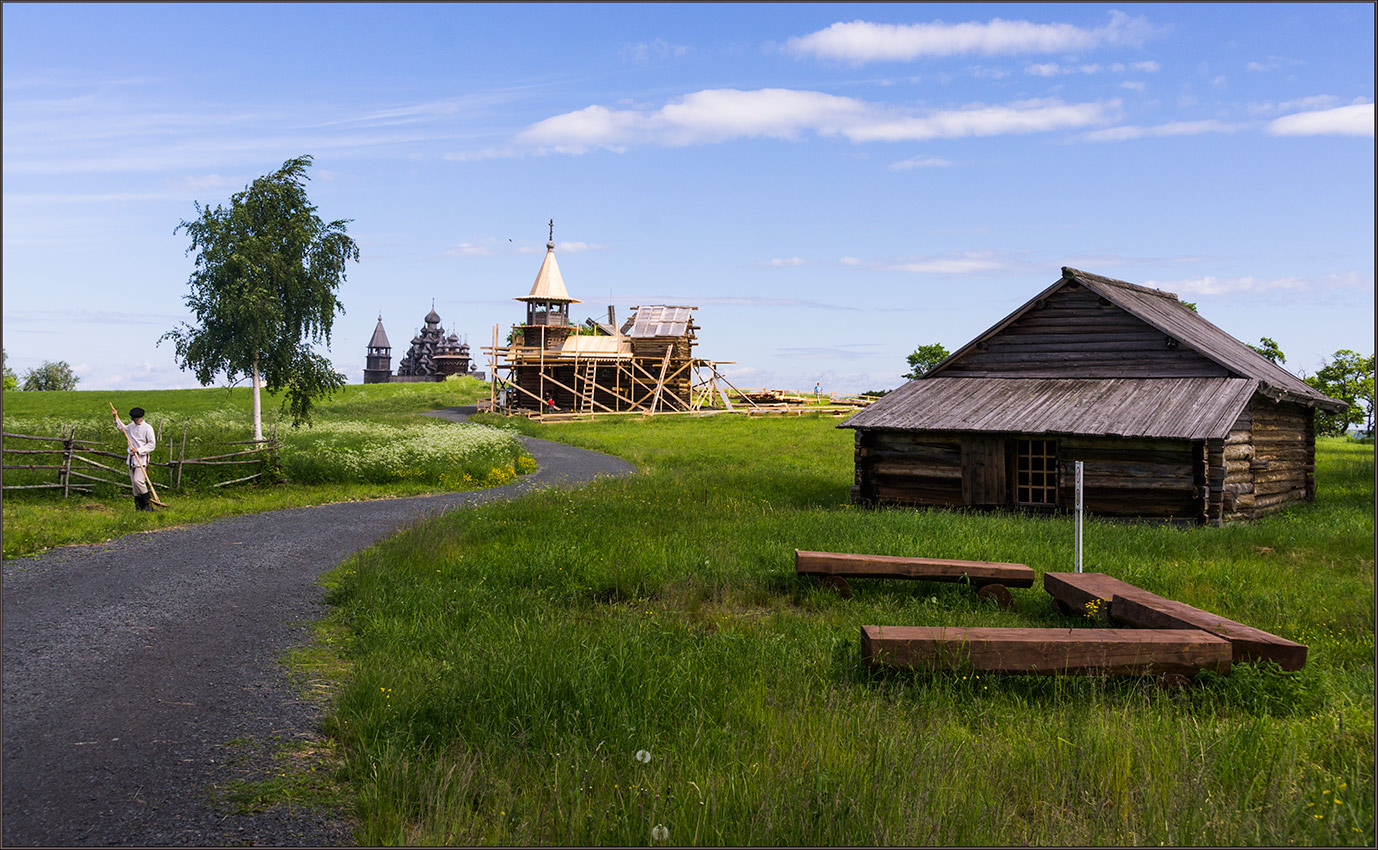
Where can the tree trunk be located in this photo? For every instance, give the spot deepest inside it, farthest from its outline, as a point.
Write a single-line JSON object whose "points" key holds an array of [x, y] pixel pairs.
{"points": [[258, 409]]}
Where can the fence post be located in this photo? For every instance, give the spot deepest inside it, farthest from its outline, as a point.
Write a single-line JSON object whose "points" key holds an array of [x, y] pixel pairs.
{"points": [[65, 475], [181, 457]]}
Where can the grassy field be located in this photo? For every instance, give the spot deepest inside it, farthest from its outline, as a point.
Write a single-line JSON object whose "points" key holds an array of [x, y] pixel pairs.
{"points": [[367, 442], [635, 662]]}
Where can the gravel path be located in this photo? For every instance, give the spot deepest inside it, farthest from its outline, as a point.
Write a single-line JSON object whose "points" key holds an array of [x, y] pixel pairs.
{"points": [[130, 666]]}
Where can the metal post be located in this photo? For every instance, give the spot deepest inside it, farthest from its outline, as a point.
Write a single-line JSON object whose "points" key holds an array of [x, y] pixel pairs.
{"points": [[1079, 514]]}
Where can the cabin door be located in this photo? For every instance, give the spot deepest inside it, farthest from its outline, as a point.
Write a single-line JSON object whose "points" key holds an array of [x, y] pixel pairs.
{"points": [[983, 471]]}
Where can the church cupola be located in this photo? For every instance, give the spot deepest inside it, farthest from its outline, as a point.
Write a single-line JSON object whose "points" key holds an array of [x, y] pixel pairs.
{"points": [[547, 305]]}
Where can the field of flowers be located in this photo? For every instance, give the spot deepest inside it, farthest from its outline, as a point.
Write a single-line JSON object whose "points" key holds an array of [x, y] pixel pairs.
{"points": [[445, 453]]}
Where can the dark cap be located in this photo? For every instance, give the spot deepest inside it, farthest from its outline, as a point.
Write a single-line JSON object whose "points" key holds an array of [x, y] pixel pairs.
{"points": [[136, 413]]}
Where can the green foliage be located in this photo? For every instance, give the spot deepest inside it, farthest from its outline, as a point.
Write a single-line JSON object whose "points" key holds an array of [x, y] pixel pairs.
{"points": [[924, 358], [1347, 376], [1268, 347], [50, 376], [11, 381], [510, 660], [264, 288]]}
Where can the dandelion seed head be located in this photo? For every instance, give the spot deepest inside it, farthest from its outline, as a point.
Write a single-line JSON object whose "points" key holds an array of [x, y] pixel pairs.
{"points": [[659, 832], [643, 756]]}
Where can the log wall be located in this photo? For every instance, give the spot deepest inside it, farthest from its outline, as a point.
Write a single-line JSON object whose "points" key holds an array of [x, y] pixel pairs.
{"points": [[1284, 455], [1123, 478], [1075, 333]]}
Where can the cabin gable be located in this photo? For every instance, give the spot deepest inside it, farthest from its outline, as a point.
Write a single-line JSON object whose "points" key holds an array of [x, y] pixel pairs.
{"points": [[1071, 331]]}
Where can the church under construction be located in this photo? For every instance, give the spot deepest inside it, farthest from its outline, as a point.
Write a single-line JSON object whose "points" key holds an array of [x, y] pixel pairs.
{"points": [[550, 365]]}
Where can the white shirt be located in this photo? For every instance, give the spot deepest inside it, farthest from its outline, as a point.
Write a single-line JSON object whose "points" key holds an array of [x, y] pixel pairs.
{"points": [[140, 436]]}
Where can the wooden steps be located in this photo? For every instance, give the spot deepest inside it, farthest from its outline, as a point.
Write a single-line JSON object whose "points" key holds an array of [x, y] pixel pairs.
{"points": [[1125, 652], [990, 578], [1137, 607]]}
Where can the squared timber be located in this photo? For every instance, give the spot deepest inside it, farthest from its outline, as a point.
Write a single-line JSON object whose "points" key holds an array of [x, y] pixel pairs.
{"points": [[1122, 652], [849, 566], [1140, 608]]}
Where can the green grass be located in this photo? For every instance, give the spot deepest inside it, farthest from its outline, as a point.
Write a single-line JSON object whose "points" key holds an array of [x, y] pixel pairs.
{"points": [[508, 662], [367, 442]]}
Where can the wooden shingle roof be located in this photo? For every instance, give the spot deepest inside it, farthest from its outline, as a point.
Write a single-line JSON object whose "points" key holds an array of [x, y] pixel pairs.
{"points": [[1164, 408], [1164, 312], [1195, 407]]}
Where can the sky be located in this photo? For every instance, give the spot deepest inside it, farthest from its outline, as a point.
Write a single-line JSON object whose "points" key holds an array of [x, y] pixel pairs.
{"points": [[830, 185]]}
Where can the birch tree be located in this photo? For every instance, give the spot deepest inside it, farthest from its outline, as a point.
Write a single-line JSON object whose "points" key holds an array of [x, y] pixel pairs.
{"points": [[263, 291]]}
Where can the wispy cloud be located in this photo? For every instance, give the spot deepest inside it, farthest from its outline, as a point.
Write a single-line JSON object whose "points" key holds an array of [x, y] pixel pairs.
{"points": [[859, 42], [491, 247], [1173, 128], [786, 263], [1209, 285], [1353, 120], [965, 263], [1053, 69], [718, 115], [920, 162], [656, 49]]}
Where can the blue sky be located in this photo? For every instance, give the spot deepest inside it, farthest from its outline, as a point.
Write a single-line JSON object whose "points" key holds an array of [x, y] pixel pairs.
{"points": [[831, 185]]}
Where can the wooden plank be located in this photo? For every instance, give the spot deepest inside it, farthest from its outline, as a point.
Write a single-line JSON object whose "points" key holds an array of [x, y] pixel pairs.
{"points": [[891, 566], [1139, 607], [1247, 642], [1124, 652]]}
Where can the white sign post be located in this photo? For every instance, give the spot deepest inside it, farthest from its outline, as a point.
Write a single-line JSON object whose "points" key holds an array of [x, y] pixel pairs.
{"points": [[1079, 511]]}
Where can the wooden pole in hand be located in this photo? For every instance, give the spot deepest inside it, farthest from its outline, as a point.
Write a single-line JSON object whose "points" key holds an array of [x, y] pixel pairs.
{"points": [[143, 464]]}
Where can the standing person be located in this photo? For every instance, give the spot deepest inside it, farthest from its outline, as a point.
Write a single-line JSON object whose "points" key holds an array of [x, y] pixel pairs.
{"points": [[817, 391], [139, 437]]}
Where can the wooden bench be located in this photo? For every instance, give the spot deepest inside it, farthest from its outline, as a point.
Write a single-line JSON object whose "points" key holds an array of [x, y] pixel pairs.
{"points": [[1135, 606], [992, 580], [1124, 652]]}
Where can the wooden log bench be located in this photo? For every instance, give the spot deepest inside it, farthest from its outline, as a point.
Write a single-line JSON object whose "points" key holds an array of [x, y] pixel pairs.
{"points": [[1123, 652], [992, 580], [1137, 607]]}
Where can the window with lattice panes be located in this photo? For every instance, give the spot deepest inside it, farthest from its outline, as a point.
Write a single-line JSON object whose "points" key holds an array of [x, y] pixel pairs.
{"points": [[1035, 476]]}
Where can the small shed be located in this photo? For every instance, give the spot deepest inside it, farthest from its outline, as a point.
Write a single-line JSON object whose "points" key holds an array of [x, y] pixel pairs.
{"points": [[1174, 418]]}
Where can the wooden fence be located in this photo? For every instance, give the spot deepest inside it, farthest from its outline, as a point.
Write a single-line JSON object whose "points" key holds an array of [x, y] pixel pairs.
{"points": [[78, 470]]}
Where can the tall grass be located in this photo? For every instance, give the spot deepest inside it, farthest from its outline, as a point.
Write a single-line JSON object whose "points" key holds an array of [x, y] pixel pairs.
{"points": [[510, 662], [366, 441]]}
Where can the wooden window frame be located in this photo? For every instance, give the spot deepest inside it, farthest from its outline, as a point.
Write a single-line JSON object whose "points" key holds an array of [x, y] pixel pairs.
{"points": [[1035, 485]]}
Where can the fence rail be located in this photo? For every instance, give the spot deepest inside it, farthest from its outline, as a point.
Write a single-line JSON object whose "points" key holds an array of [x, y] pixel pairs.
{"points": [[71, 450]]}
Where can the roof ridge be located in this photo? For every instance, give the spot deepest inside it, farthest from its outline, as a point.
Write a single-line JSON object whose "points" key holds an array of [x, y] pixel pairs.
{"points": [[1068, 271]]}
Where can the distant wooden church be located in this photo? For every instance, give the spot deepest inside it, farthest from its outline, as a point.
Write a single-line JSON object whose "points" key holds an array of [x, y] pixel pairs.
{"points": [[432, 355], [553, 365], [1173, 417]]}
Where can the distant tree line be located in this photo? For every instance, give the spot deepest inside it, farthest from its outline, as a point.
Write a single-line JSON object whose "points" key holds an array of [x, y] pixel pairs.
{"points": [[49, 376]]}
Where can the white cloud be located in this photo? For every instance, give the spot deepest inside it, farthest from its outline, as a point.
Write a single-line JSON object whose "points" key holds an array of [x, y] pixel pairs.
{"points": [[659, 49], [791, 262], [717, 115], [1174, 128], [1053, 69], [1133, 85], [920, 162], [863, 41], [1353, 120], [1274, 63], [1030, 116], [968, 263], [1209, 285]]}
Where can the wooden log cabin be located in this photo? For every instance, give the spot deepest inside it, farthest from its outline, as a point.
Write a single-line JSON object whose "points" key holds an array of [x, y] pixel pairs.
{"points": [[1174, 418]]}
